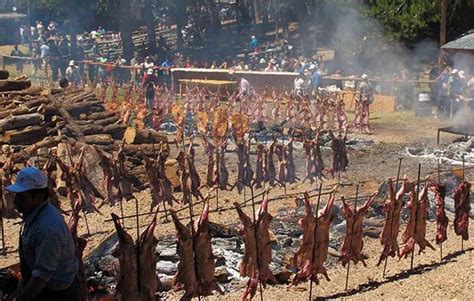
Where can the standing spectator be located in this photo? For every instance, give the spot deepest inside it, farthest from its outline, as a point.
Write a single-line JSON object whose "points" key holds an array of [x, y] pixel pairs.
{"points": [[44, 53], [53, 59], [253, 43], [52, 28], [150, 80], [23, 37], [18, 62], [36, 59], [315, 81], [299, 84], [72, 73], [64, 54]]}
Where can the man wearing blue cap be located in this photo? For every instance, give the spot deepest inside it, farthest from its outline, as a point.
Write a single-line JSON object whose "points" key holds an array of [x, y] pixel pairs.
{"points": [[47, 252]]}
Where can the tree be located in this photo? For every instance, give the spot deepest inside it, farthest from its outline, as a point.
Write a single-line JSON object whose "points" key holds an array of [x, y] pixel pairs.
{"points": [[150, 24]]}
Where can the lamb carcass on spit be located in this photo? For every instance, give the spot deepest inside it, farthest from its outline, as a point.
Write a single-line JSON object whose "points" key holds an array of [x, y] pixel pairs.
{"points": [[462, 207], [258, 247], [127, 286], [415, 231], [269, 169], [441, 218], [259, 167], [196, 267], [310, 257], [80, 244], [392, 210], [339, 151], [245, 172], [147, 263], [291, 169], [352, 246]]}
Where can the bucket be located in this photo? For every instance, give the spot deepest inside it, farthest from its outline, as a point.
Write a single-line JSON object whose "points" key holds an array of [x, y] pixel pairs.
{"points": [[422, 97]]}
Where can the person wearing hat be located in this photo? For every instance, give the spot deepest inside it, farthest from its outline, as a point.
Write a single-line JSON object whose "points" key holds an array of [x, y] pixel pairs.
{"points": [[149, 81], [46, 247], [253, 43], [300, 84], [72, 73], [366, 97], [456, 89]]}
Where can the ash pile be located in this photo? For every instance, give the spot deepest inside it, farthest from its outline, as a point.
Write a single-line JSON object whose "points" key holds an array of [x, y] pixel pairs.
{"points": [[453, 153]]}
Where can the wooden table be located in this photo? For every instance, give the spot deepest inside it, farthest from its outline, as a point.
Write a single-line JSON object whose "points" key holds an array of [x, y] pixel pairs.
{"points": [[191, 83]]}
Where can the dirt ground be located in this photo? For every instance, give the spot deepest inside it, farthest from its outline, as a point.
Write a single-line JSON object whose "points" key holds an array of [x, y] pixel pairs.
{"points": [[430, 279]]}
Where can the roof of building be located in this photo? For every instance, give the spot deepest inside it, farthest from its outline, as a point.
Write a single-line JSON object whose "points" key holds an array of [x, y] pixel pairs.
{"points": [[12, 17], [466, 42]]}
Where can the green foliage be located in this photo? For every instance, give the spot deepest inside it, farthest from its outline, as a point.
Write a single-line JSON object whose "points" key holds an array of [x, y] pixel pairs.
{"points": [[407, 21]]}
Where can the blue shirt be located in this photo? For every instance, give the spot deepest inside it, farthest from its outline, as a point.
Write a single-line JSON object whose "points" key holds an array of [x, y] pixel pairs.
{"points": [[315, 80], [48, 247]]}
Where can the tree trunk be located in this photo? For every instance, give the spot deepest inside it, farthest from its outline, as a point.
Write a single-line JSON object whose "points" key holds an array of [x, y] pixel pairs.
{"points": [[139, 136], [256, 11], [125, 27], [304, 22], [28, 135], [150, 24]]}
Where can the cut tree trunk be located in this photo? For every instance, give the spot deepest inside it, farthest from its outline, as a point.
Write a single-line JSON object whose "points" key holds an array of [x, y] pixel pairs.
{"points": [[115, 130], [97, 116], [14, 85], [100, 139], [107, 121], [20, 121], [27, 135], [140, 136]]}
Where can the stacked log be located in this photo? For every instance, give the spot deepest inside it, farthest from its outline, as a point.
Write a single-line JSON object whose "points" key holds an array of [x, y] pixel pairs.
{"points": [[34, 120]]}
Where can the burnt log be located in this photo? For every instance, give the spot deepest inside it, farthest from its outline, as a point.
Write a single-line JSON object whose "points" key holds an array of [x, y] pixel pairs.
{"points": [[4, 74], [15, 111], [14, 85]]}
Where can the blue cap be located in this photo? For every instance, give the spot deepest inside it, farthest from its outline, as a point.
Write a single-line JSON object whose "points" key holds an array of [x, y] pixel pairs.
{"points": [[27, 179]]}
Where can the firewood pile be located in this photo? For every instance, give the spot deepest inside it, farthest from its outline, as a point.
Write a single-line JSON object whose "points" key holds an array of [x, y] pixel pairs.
{"points": [[33, 120]]}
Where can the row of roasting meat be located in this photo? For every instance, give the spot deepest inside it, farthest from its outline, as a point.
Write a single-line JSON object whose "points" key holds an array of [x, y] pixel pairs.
{"points": [[196, 268]]}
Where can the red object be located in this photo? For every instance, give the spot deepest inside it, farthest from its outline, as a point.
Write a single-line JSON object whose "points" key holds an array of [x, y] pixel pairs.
{"points": [[462, 207]]}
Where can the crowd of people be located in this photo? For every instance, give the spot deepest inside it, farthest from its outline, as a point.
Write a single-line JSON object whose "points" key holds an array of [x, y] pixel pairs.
{"points": [[453, 89]]}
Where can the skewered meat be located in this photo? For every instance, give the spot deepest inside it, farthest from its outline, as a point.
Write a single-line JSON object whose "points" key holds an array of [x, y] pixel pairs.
{"points": [[441, 218], [111, 179], [269, 165], [204, 257], [165, 183], [352, 246], [241, 170], [80, 245], [282, 164], [194, 175], [314, 161], [291, 169], [339, 151], [240, 125], [196, 268], [259, 171], [155, 187], [462, 207], [202, 122], [147, 263], [220, 126], [392, 210], [416, 229], [186, 277], [223, 174], [48, 169], [179, 115], [310, 257], [125, 183], [127, 286], [184, 178], [258, 247]]}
